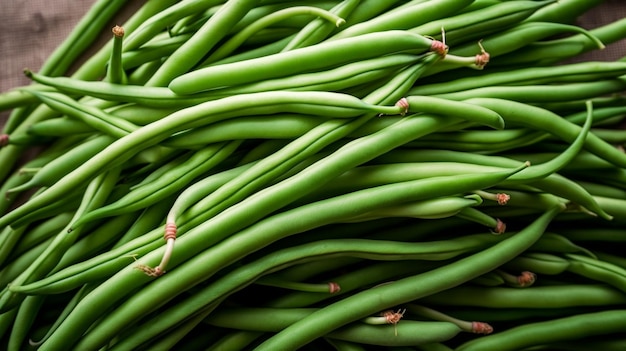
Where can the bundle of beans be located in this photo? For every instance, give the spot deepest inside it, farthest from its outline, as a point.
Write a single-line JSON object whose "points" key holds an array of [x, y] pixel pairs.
{"points": [[347, 175]]}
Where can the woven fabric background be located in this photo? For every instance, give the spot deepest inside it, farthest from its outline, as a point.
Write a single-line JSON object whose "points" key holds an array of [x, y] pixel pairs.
{"points": [[31, 29]]}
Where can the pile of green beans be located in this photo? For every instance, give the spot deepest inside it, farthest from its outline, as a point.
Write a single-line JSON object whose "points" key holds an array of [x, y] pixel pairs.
{"points": [[328, 175]]}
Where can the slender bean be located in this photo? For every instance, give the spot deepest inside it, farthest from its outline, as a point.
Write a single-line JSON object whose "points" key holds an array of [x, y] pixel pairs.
{"points": [[229, 46], [544, 297], [62, 165], [59, 127], [358, 332], [562, 12], [115, 72], [410, 16], [222, 250], [525, 76], [318, 30], [161, 20], [540, 263], [89, 115], [300, 60], [545, 93], [385, 296], [203, 40], [121, 150], [25, 318], [95, 195], [430, 104], [567, 328], [172, 182], [519, 113], [598, 270]]}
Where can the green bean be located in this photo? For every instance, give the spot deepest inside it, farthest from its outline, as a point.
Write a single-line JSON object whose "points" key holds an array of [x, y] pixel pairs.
{"points": [[543, 53], [282, 126], [90, 70], [248, 318], [523, 76], [232, 43], [523, 34], [361, 304], [115, 72], [318, 250], [23, 321], [475, 215], [18, 265], [544, 119], [427, 209], [410, 16], [480, 22], [68, 204], [454, 185], [539, 262], [82, 35], [470, 327], [149, 219], [64, 164], [543, 297], [97, 240], [59, 127], [430, 104], [70, 305], [544, 93], [89, 115], [567, 328], [206, 38], [598, 270], [562, 12], [317, 30], [41, 232], [309, 143], [553, 183], [148, 96], [14, 99], [6, 321], [95, 195], [159, 21], [331, 79], [300, 60], [121, 150], [152, 51], [148, 194]]}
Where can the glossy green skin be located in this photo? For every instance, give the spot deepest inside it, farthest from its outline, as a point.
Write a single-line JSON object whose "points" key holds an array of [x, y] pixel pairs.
{"points": [[251, 239], [407, 289], [318, 57], [561, 329]]}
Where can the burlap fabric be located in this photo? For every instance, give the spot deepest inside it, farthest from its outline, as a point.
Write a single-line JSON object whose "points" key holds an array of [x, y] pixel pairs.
{"points": [[31, 29]]}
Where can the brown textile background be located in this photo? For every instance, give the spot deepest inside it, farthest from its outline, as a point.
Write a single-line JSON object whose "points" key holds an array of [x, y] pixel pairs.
{"points": [[31, 29]]}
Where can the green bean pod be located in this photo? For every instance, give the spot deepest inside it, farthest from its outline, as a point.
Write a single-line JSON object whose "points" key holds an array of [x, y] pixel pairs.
{"points": [[186, 246], [409, 332], [59, 127], [59, 167], [520, 113], [482, 116], [170, 183], [487, 20], [567, 328], [544, 297], [410, 16], [385, 296], [161, 20], [598, 270], [300, 60]]}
